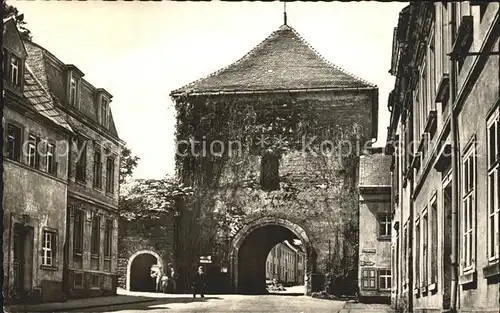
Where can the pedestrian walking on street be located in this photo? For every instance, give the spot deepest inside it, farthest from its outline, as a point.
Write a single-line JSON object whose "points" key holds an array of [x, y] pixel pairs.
{"points": [[173, 276], [164, 283], [199, 283]]}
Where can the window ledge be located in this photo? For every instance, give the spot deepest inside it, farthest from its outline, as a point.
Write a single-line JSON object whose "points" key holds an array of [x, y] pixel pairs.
{"points": [[464, 35], [443, 159], [467, 278], [492, 270], [384, 238], [49, 267]]}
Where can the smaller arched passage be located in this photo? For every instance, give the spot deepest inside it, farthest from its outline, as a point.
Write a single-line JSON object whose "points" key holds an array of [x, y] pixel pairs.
{"points": [[138, 270], [252, 244]]}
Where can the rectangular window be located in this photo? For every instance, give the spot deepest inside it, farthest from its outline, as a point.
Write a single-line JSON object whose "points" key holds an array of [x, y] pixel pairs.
{"points": [[13, 142], [104, 112], [81, 162], [417, 254], [33, 157], [78, 280], [72, 90], [108, 238], [48, 248], [468, 215], [425, 96], [384, 279], [433, 69], [94, 282], [110, 174], [493, 187], [95, 235], [50, 163], [425, 247], [269, 175], [368, 278], [78, 221], [385, 225], [418, 111], [444, 37], [434, 241], [97, 169], [14, 70]]}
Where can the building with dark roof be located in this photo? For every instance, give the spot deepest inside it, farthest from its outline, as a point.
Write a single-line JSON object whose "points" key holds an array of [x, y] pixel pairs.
{"points": [[374, 275], [61, 178], [284, 91], [34, 198]]}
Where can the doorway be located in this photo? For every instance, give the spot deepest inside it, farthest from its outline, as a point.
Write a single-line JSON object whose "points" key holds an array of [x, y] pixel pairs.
{"points": [[22, 261], [140, 273]]}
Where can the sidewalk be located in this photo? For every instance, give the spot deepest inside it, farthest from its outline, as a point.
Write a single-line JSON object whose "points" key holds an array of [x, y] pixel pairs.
{"points": [[351, 307], [74, 304]]}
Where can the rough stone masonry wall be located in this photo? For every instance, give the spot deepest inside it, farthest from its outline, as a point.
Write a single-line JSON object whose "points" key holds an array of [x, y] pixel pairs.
{"points": [[151, 235], [311, 194]]}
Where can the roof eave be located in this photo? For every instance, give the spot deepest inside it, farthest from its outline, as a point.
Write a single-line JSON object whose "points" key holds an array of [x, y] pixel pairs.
{"points": [[175, 94]]}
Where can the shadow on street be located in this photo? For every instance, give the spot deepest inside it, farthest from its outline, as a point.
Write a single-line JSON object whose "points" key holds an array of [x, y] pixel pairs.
{"points": [[154, 304]]}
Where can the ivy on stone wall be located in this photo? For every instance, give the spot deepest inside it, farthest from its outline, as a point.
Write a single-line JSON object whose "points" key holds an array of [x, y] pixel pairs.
{"points": [[226, 183]]}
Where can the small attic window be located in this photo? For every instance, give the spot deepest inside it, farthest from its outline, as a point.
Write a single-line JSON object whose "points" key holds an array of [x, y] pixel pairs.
{"points": [[15, 70], [73, 84], [269, 172], [104, 111]]}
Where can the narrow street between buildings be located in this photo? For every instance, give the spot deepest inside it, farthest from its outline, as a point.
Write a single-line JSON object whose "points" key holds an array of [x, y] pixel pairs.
{"points": [[286, 303]]}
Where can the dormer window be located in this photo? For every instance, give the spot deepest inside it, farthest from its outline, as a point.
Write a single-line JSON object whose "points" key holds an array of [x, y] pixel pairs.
{"points": [[72, 90], [74, 76], [14, 70], [104, 112]]}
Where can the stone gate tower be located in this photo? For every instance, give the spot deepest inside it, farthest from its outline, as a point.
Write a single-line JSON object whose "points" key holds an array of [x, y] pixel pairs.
{"points": [[265, 144]]}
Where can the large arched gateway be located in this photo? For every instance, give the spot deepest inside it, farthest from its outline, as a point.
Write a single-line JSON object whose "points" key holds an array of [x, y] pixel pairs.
{"points": [[139, 270], [252, 244]]}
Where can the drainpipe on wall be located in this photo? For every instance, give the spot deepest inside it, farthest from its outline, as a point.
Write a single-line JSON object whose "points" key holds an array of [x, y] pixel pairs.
{"points": [[454, 164], [410, 247]]}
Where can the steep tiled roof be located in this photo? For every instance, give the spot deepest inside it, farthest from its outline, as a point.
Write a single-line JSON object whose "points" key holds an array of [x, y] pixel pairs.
{"points": [[374, 170], [36, 59], [283, 61], [41, 100]]}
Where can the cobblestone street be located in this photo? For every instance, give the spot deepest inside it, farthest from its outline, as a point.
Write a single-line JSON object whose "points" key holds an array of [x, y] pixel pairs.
{"points": [[240, 303]]}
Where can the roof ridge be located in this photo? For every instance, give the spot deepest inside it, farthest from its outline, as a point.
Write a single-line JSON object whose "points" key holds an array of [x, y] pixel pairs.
{"points": [[259, 45], [328, 62]]}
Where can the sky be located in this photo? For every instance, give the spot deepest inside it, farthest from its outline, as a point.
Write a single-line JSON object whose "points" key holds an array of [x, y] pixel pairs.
{"points": [[141, 51]]}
